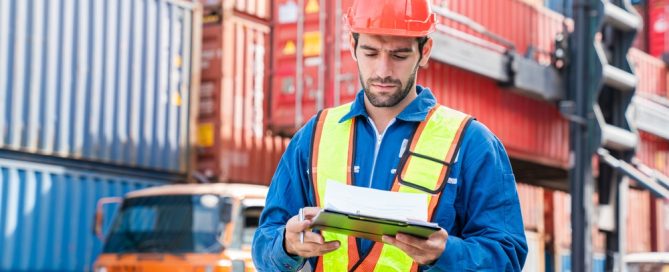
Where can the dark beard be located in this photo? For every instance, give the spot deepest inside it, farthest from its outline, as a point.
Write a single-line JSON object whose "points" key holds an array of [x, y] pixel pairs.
{"points": [[394, 99]]}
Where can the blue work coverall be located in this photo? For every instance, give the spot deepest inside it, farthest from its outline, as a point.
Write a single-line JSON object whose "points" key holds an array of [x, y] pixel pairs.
{"points": [[479, 207]]}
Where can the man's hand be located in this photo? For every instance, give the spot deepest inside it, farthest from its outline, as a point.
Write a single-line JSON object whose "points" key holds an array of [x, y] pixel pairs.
{"points": [[423, 251], [314, 244]]}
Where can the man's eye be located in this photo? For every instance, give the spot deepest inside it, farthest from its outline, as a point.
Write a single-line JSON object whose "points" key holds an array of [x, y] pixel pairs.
{"points": [[400, 57], [370, 54]]}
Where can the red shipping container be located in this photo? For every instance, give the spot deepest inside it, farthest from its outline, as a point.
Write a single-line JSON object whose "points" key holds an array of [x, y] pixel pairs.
{"points": [[233, 145], [559, 218], [651, 73], [523, 24], [638, 221], [658, 27], [653, 151], [323, 72], [531, 206], [257, 9], [530, 129], [641, 39], [660, 225]]}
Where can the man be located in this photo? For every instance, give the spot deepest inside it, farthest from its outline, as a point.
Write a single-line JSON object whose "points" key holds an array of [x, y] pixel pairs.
{"points": [[395, 136]]}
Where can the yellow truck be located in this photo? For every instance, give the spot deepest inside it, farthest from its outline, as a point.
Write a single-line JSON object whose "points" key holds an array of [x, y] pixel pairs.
{"points": [[185, 227]]}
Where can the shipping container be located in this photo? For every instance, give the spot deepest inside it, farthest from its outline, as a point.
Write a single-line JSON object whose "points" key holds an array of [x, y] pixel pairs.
{"points": [[536, 254], [658, 27], [660, 225], [105, 81], [532, 207], [641, 39], [562, 261], [653, 151], [257, 9], [46, 213], [559, 218], [233, 143], [313, 67], [528, 26], [651, 73], [638, 221], [530, 129]]}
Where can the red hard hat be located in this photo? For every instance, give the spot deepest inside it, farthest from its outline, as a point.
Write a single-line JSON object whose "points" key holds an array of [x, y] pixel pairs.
{"points": [[410, 18]]}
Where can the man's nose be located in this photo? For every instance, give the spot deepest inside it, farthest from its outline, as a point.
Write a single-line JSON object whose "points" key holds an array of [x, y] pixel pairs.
{"points": [[384, 67]]}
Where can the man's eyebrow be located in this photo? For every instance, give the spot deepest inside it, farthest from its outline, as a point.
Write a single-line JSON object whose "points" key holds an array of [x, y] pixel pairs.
{"points": [[402, 50], [367, 47], [398, 50]]}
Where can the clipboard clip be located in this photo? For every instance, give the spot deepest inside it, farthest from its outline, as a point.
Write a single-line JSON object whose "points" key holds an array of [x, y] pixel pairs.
{"points": [[404, 182]]}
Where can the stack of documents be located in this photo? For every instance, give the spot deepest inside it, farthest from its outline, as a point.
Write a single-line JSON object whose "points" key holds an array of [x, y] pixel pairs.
{"points": [[371, 213]]}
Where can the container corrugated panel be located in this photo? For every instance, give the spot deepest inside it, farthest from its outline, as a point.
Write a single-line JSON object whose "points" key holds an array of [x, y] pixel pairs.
{"points": [[522, 23], [260, 9], [663, 225], [651, 73], [46, 214], [563, 262], [106, 81], [233, 145], [530, 129], [638, 221], [641, 39], [531, 206], [536, 254], [653, 151], [329, 74], [658, 27], [660, 225], [561, 224]]}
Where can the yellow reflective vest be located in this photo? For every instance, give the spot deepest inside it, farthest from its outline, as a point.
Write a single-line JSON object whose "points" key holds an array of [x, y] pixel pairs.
{"points": [[423, 169]]}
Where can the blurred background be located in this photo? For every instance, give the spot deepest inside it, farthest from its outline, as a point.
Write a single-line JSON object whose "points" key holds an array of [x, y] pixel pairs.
{"points": [[99, 98]]}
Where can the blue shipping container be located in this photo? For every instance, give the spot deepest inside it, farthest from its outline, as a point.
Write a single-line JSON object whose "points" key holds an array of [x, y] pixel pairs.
{"points": [[112, 81], [46, 214], [598, 264]]}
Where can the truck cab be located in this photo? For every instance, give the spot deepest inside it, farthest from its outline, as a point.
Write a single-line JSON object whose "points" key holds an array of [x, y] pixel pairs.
{"points": [[186, 227]]}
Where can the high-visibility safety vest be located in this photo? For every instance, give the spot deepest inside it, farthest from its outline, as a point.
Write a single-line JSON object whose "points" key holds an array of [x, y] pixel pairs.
{"points": [[424, 168]]}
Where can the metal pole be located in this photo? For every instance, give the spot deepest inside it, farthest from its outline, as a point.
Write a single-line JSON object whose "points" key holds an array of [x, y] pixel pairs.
{"points": [[584, 87], [299, 71]]}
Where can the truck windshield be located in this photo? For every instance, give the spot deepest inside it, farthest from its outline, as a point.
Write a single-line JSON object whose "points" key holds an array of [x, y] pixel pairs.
{"points": [[168, 224]]}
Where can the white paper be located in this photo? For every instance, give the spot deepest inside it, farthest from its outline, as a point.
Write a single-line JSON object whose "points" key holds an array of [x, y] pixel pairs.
{"points": [[375, 203]]}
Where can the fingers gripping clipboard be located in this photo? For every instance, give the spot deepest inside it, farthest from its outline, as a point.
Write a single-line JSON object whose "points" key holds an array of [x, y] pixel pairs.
{"points": [[369, 227]]}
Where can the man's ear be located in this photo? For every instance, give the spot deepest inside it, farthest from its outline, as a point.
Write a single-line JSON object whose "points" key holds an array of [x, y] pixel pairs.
{"points": [[427, 50], [351, 40]]}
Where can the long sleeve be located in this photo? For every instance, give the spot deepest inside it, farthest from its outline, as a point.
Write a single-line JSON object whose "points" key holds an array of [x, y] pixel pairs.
{"points": [[488, 232], [288, 192]]}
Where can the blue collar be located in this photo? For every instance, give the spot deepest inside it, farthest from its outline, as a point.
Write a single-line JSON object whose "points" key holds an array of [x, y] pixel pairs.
{"points": [[416, 111]]}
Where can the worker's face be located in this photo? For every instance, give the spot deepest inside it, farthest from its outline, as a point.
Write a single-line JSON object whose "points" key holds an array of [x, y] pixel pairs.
{"points": [[387, 66]]}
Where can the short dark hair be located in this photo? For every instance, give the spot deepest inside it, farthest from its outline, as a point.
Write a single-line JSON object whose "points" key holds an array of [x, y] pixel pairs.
{"points": [[421, 43]]}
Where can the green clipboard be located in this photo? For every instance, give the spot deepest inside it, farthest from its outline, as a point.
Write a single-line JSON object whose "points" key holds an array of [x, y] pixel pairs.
{"points": [[368, 227]]}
